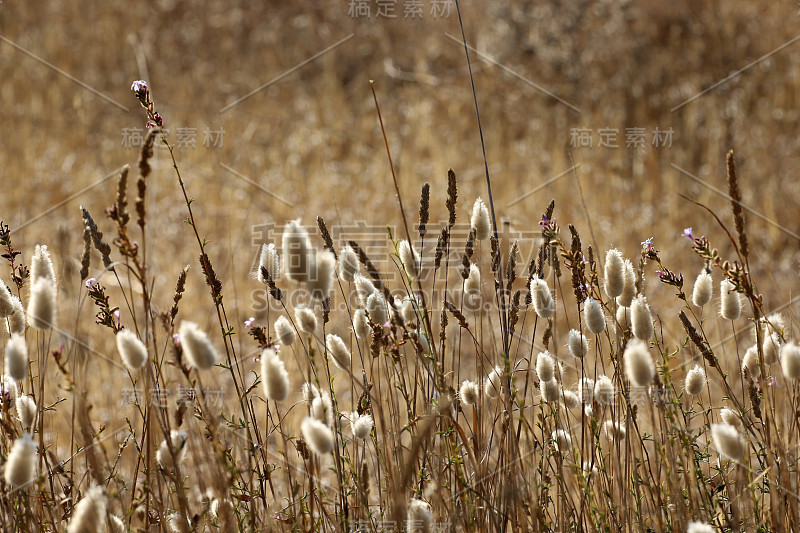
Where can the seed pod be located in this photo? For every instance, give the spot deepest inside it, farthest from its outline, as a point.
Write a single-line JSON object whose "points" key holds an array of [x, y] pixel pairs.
{"points": [[270, 261], [629, 289], [361, 425], [26, 410], [624, 318], [493, 386], [729, 416], [614, 430], [604, 390], [16, 322], [562, 440], [409, 257], [473, 283], [586, 391], [420, 517], [20, 468], [164, 456], [376, 307], [570, 399], [42, 304], [551, 391], [790, 360], [322, 269], [297, 251], [322, 409], [364, 287], [89, 515], [751, 363], [6, 301], [361, 325]]}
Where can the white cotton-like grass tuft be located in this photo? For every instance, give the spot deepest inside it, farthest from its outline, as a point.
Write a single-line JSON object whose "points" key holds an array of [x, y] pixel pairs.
{"points": [[639, 366], [16, 321], [730, 305], [570, 399], [309, 392], [322, 409], [317, 435], [364, 287], [361, 425], [424, 342], [578, 344], [409, 257], [407, 311], [480, 220], [493, 386], [268, 260], [26, 410], [419, 517], [543, 302], [562, 441], [699, 527], [116, 525], [551, 391], [751, 362], [164, 457], [274, 376], [594, 317], [703, 289], [731, 417], [297, 251], [790, 360], [42, 304], [17, 357], [306, 319], [469, 393], [728, 442], [604, 390], [20, 467], [614, 271], [321, 273], [771, 348], [348, 264], [284, 331], [545, 366], [585, 390], [8, 387], [614, 430], [641, 319], [695, 381], [624, 318], [89, 515], [42, 265], [376, 308], [338, 351], [361, 326], [176, 523], [629, 289], [6, 301], [473, 283], [196, 346], [132, 351]]}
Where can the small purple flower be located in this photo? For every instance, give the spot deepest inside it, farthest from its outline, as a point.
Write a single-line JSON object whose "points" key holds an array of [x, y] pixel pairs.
{"points": [[687, 233], [648, 244], [544, 221], [139, 86], [177, 338], [116, 314], [90, 283], [249, 322]]}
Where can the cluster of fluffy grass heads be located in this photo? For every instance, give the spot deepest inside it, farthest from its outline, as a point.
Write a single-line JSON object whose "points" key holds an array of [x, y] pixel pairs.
{"points": [[463, 386]]}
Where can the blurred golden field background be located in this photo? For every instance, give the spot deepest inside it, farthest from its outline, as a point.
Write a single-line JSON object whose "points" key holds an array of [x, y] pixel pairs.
{"points": [[284, 87]]}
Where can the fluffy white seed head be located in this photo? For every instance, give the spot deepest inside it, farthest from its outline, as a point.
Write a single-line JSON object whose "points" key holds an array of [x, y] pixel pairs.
{"points": [[551, 391], [338, 351], [16, 322], [6, 301], [641, 319], [348, 264], [578, 344], [361, 326], [196, 346], [545, 366], [771, 348], [42, 304], [268, 260], [614, 271], [116, 525], [543, 302], [703, 289], [306, 319], [409, 257], [20, 467], [473, 283], [639, 365], [274, 376], [407, 311], [419, 517], [751, 363], [309, 392], [730, 306], [586, 390], [699, 527], [624, 318], [493, 386], [361, 425], [17, 357], [89, 515], [469, 393], [480, 220], [364, 287], [731, 417], [321, 273], [42, 265], [164, 457], [594, 317], [284, 331], [728, 442], [695, 381], [604, 390], [376, 308], [614, 430], [562, 441], [297, 251], [26, 410], [629, 289], [132, 351], [317, 435], [8, 390], [790, 360], [322, 409], [570, 399]]}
